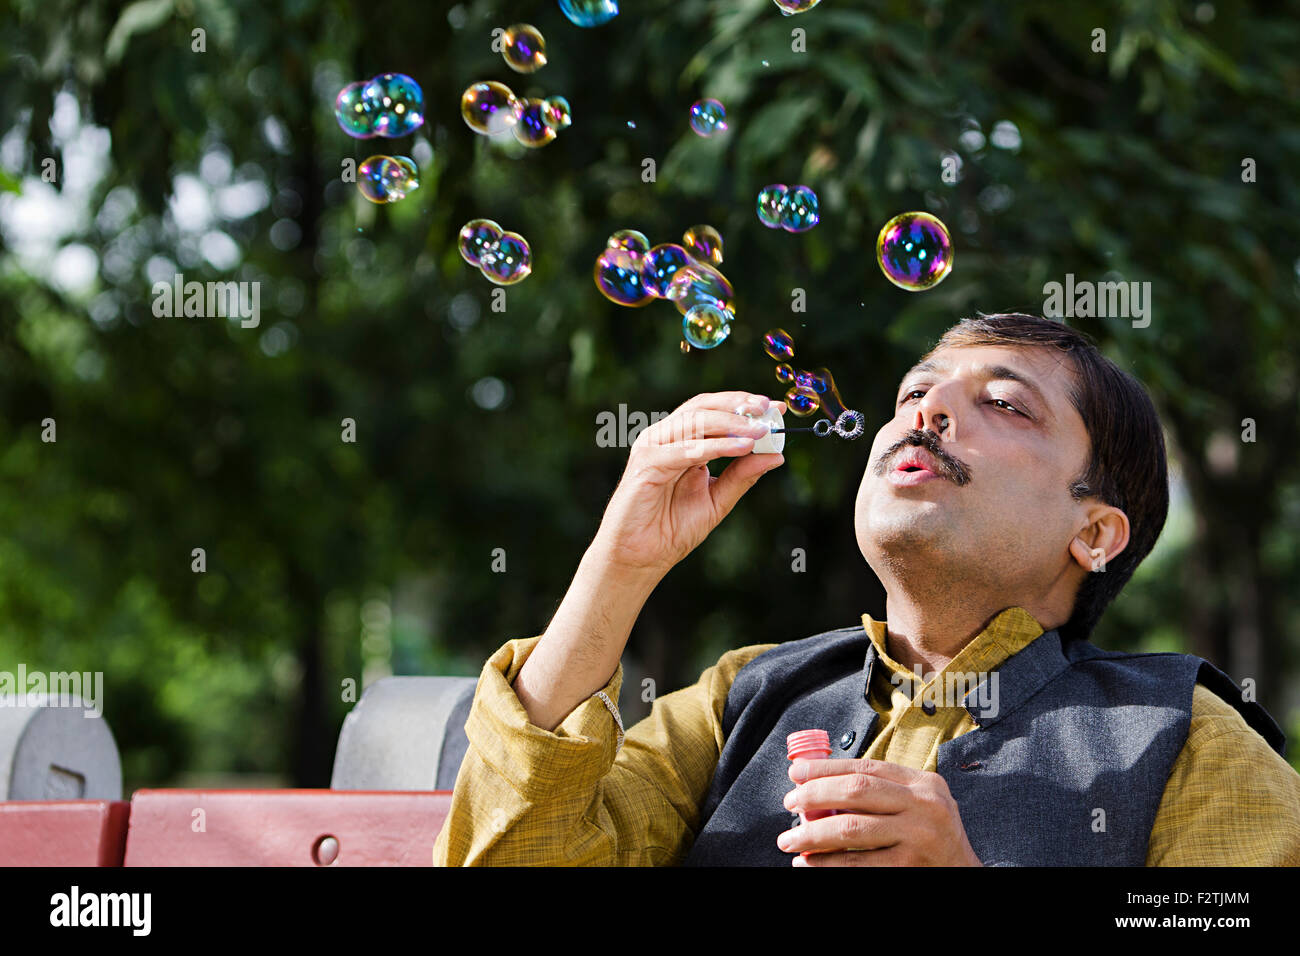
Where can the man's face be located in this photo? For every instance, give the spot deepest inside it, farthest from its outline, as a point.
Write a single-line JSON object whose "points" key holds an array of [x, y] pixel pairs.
{"points": [[990, 502]]}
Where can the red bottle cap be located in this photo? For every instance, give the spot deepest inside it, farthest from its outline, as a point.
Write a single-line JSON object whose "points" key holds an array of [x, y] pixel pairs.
{"points": [[808, 745]]}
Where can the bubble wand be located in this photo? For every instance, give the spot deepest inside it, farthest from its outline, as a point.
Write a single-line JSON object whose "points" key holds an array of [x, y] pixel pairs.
{"points": [[850, 425]]}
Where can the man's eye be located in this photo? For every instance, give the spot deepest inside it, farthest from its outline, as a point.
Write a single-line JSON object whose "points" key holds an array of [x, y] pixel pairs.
{"points": [[1009, 406], [907, 395]]}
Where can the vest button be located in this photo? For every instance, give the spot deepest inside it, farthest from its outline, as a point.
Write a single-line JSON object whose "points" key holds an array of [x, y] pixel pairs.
{"points": [[928, 707], [847, 740]]}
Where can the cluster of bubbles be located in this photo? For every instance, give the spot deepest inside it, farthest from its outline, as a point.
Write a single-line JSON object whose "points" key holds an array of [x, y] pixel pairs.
{"points": [[629, 272], [524, 48], [503, 257], [789, 7], [914, 250], [383, 179], [491, 108], [389, 105], [590, 13], [793, 209], [808, 391], [708, 117]]}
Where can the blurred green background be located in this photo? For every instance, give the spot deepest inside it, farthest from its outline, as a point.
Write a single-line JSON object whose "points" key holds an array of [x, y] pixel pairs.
{"points": [[329, 561]]}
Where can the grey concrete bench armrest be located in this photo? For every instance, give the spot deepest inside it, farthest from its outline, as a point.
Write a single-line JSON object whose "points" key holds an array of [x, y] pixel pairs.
{"points": [[405, 733], [50, 749]]}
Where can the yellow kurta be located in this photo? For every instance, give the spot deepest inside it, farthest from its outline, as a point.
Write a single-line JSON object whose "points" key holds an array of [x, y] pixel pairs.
{"points": [[574, 796]]}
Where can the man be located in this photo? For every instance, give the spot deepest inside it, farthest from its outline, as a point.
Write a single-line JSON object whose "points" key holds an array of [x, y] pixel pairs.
{"points": [[1019, 483]]}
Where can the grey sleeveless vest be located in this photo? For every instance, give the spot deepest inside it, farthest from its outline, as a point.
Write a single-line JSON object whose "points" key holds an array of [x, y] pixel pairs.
{"points": [[1075, 729]]}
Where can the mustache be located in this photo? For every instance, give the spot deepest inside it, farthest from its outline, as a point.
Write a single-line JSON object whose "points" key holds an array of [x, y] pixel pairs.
{"points": [[955, 470]]}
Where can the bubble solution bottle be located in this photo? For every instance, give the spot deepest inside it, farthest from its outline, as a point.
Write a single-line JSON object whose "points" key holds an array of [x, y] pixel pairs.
{"points": [[810, 745]]}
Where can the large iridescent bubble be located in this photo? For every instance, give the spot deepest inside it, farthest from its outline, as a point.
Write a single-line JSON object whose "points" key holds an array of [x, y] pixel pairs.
{"points": [[385, 179], [634, 242], [801, 210], [618, 276], [532, 129], [914, 250], [476, 236], [789, 7], [356, 114], [772, 202], [708, 117], [400, 104], [779, 344], [706, 326], [704, 243], [490, 108], [389, 105], [524, 48], [589, 13], [700, 284], [508, 260], [558, 112], [660, 263], [801, 401]]}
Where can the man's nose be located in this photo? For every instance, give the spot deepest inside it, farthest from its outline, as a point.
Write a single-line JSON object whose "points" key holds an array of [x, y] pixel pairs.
{"points": [[936, 416]]}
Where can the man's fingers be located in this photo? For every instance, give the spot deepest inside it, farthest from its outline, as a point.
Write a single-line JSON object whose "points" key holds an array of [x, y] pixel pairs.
{"points": [[677, 457], [828, 768], [723, 401], [859, 792], [844, 831], [682, 426]]}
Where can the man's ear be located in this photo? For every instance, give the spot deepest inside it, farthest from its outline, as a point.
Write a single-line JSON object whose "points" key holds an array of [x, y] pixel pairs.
{"points": [[1102, 539]]}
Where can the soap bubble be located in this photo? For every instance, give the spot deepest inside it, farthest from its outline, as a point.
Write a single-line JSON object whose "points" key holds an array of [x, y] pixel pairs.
{"points": [[558, 113], [508, 260], [704, 243], [619, 279], [355, 113], [405, 175], [778, 344], [708, 117], [524, 48], [532, 129], [706, 326], [801, 401], [660, 264], [827, 393], [490, 108], [629, 272], [589, 13], [804, 379], [384, 179], [800, 213], [795, 6], [476, 236], [374, 176], [914, 250], [390, 105], [700, 284], [784, 374], [772, 202], [399, 104], [634, 242]]}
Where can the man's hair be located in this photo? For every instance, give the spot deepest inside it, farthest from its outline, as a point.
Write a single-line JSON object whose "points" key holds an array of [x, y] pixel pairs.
{"points": [[1126, 464]]}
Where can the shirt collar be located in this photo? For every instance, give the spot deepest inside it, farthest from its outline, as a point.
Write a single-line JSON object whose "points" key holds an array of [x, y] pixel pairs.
{"points": [[1008, 632]]}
